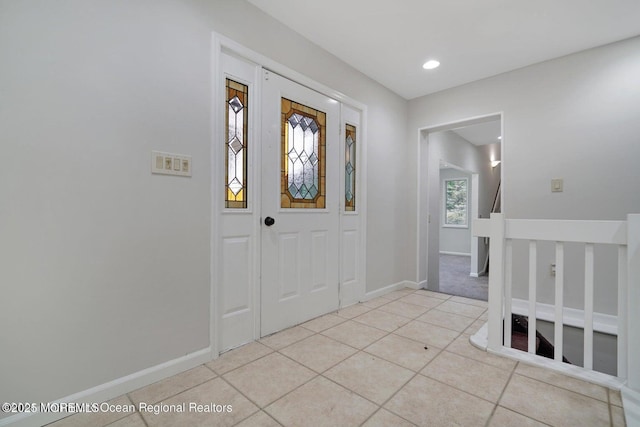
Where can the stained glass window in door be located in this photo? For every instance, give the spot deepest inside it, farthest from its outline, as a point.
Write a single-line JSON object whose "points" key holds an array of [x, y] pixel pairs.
{"points": [[350, 168], [236, 144], [303, 156]]}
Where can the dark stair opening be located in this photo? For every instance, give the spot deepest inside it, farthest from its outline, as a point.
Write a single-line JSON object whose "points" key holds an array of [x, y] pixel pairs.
{"points": [[520, 338]]}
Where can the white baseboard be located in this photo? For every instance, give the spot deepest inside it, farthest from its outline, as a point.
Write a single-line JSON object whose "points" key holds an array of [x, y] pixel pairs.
{"points": [[115, 388], [454, 253], [411, 284], [390, 288], [605, 323], [422, 284], [474, 274]]}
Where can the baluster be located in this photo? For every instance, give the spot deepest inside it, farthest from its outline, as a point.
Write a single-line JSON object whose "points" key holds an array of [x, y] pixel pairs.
{"points": [[533, 263], [508, 277], [559, 317], [588, 306]]}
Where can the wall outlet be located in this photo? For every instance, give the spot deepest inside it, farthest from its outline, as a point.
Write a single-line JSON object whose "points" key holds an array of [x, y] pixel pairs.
{"points": [[552, 271], [170, 164]]}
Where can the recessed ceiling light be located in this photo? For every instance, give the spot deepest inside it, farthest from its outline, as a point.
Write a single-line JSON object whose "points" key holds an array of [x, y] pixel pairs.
{"points": [[431, 64], [499, 137]]}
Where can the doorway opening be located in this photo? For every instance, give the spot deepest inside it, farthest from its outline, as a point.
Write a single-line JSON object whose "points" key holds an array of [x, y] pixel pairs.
{"points": [[459, 268], [460, 180]]}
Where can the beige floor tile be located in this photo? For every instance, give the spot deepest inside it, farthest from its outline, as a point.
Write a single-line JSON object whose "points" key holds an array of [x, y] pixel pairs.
{"points": [[421, 300], [433, 294], [471, 301], [269, 378], [376, 302], [369, 376], [318, 352], [171, 386], [429, 335], [461, 309], [484, 316], [446, 320], [382, 320], [463, 347], [354, 334], [617, 417], [287, 337], [384, 418], [426, 402], [615, 398], [353, 311], [403, 351], [259, 419], [553, 405], [554, 378], [134, 420], [216, 392], [503, 417], [474, 327], [321, 323], [98, 418], [397, 294], [468, 375], [321, 403], [404, 309], [238, 357]]}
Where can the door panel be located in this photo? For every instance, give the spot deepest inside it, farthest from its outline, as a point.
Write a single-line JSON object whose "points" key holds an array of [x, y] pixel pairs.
{"points": [[299, 252], [236, 268]]}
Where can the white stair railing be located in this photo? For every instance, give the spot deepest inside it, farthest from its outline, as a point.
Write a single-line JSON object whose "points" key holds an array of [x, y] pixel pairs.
{"points": [[624, 234]]}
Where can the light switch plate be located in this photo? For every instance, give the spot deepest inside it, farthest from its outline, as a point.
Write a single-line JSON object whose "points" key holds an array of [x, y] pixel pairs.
{"points": [[557, 185], [170, 163]]}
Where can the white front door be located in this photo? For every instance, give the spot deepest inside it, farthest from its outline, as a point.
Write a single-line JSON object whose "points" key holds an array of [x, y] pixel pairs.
{"points": [[299, 204]]}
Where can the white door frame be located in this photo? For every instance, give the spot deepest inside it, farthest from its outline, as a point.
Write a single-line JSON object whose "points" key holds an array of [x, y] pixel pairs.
{"points": [[356, 291], [424, 238]]}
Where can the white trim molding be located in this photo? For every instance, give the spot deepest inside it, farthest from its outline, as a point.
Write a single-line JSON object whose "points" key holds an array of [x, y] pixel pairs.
{"points": [[114, 388], [604, 323], [454, 253], [390, 288]]}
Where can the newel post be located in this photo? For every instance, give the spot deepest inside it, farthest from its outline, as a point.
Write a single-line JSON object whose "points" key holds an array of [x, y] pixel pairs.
{"points": [[633, 301], [496, 281]]}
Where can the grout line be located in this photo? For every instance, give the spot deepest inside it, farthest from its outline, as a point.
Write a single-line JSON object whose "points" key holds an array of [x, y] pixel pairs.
{"points": [[246, 363], [246, 397], [548, 382], [335, 364], [504, 390]]}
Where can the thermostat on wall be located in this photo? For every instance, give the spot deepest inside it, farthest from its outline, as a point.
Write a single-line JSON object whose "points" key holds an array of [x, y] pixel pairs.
{"points": [[170, 164]]}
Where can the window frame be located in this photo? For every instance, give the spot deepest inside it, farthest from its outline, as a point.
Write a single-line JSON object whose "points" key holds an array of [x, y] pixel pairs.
{"points": [[444, 204]]}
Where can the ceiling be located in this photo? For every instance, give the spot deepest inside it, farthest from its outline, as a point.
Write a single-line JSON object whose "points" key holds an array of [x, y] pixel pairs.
{"points": [[390, 40], [481, 133]]}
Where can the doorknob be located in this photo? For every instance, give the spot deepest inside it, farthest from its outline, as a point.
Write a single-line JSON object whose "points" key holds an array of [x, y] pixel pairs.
{"points": [[268, 221]]}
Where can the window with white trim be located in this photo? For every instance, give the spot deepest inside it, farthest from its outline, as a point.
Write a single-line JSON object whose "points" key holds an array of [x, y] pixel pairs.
{"points": [[456, 207]]}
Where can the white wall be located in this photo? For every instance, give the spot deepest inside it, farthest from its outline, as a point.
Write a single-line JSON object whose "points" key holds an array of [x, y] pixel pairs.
{"points": [[574, 118], [105, 268], [455, 239]]}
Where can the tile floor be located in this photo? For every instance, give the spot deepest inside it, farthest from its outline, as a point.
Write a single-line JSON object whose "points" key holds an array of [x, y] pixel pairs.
{"points": [[403, 359]]}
